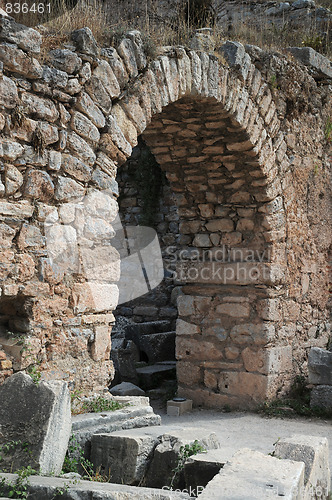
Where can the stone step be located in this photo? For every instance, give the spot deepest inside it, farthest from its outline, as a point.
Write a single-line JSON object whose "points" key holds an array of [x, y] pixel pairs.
{"points": [[138, 414], [148, 454], [152, 376], [146, 328], [158, 346]]}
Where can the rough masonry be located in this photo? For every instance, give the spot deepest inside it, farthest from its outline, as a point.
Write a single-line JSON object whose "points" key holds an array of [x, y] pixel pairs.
{"points": [[241, 136]]}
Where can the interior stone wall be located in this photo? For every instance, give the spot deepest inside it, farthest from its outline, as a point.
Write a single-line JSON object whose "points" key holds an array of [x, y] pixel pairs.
{"points": [[247, 164]]}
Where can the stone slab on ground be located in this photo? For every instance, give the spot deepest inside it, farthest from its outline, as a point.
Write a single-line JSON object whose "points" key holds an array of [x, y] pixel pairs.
{"points": [[250, 474], [38, 417], [126, 389], [314, 452], [320, 366], [321, 397], [140, 414], [46, 488]]}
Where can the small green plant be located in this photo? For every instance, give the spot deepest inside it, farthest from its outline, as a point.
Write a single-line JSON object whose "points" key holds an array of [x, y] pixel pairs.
{"points": [[20, 487], [274, 81], [100, 404], [74, 460], [185, 452], [328, 130], [35, 373]]}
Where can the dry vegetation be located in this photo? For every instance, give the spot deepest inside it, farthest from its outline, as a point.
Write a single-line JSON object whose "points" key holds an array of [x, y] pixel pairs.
{"points": [[108, 18]]}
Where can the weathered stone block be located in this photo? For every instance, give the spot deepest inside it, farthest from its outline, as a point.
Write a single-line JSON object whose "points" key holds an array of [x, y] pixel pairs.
{"points": [[318, 65], [177, 408], [101, 346], [38, 185], [48, 487], [106, 76], [20, 209], [94, 297], [185, 328], [81, 147], [25, 38], [84, 127], [19, 62], [87, 106], [314, 452], [234, 309], [250, 474], [8, 93], [40, 107], [67, 189], [85, 41], [38, 416], [321, 397], [320, 366]]}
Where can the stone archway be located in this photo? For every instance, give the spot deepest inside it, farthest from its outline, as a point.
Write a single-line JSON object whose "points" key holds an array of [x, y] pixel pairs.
{"points": [[213, 126], [223, 194]]}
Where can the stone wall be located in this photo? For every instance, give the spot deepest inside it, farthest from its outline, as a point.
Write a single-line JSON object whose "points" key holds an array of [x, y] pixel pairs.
{"points": [[247, 162]]}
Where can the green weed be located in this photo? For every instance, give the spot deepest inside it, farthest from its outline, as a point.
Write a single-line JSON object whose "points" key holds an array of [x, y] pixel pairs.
{"points": [[185, 452], [20, 487], [100, 404]]}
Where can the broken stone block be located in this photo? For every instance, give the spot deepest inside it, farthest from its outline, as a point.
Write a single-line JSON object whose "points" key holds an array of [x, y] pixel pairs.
{"points": [[250, 474], [201, 468], [126, 389], [320, 366], [319, 66], [321, 397], [314, 452], [35, 420], [166, 454], [124, 458]]}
